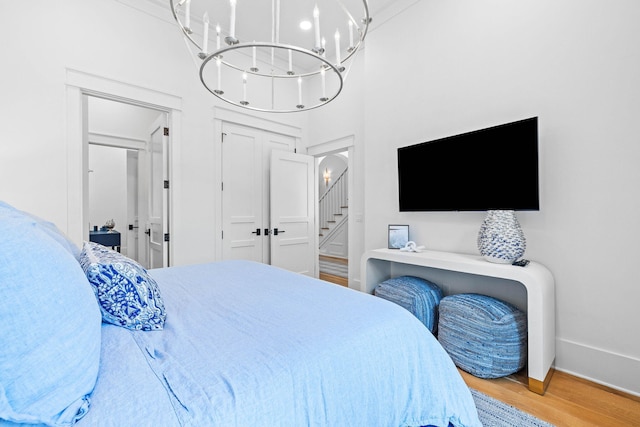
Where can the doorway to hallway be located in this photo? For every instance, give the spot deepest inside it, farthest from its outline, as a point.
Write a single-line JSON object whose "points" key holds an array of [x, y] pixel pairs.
{"points": [[127, 163], [333, 212]]}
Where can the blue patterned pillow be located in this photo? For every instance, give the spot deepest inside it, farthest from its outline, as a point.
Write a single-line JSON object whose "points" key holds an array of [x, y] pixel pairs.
{"points": [[128, 296]]}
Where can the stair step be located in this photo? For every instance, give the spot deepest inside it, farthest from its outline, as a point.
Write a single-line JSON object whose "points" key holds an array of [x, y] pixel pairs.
{"points": [[338, 267], [325, 228], [331, 221]]}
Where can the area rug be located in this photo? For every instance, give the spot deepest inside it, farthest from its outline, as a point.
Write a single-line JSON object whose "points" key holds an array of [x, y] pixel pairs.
{"points": [[493, 413]]}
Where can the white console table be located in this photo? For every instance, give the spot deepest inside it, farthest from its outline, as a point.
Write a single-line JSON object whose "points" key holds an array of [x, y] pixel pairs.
{"points": [[381, 264]]}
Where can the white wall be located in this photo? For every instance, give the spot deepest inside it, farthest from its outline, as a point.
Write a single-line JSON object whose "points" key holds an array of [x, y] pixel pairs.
{"points": [[336, 165], [444, 68], [343, 120], [108, 187], [113, 118], [112, 40]]}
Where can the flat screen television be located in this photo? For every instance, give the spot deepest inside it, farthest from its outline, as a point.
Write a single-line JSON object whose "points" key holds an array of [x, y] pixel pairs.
{"points": [[487, 169]]}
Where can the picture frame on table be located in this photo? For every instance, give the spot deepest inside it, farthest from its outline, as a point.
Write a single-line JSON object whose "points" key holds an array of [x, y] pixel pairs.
{"points": [[398, 236]]}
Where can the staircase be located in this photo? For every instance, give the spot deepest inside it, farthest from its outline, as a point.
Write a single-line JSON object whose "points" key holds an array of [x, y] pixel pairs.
{"points": [[333, 210]]}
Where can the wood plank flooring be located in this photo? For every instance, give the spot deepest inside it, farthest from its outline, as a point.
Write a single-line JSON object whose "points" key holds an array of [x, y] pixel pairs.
{"points": [[569, 400], [342, 281], [333, 278]]}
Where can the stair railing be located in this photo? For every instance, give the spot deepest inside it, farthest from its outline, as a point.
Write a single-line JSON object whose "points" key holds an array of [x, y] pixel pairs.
{"points": [[332, 201]]}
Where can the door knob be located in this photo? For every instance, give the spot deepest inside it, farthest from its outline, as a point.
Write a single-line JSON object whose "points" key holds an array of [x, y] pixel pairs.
{"points": [[257, 232], [148, 232], [276, 231]]}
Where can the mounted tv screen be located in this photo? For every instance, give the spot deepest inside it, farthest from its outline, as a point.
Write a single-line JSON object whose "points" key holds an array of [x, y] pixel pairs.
{"points": [[492, 168]]}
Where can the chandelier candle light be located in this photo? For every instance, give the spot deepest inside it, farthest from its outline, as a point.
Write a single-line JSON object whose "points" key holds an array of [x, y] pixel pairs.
{"points": [[276, 66]]}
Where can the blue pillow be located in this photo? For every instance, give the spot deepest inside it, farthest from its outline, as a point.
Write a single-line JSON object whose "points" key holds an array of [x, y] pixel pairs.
{"points": [[127, 295], [50, 327], [46, 226]]}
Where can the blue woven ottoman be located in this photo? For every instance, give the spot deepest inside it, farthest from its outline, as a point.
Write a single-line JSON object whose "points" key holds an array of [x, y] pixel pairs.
{"points": [[417, 295], [483, 335]]}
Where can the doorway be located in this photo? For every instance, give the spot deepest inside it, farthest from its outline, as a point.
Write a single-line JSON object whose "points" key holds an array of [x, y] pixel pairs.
{"points": [[333, 217], [127, 162], [348, 257]]}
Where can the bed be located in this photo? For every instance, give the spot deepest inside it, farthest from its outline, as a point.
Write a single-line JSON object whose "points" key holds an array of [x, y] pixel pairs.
{"points": [[230, 343]]}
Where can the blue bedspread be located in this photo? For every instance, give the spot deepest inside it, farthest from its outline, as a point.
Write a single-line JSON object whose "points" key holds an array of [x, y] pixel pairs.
{"points": [[246, 344]]}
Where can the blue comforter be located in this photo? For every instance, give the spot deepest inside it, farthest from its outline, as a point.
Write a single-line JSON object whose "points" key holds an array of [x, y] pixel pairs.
{"points": [[247, 344]]}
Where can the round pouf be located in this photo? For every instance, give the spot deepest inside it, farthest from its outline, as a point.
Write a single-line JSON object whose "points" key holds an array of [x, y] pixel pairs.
{"points": [[417, 295], [484, 336]]}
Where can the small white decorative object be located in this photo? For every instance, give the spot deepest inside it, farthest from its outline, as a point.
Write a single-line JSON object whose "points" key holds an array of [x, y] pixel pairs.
{"points": [[411, 247], [500, 238]]}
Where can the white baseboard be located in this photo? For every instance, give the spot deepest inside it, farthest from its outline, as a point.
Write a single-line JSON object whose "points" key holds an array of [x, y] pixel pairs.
{"points": [[618, 371]]}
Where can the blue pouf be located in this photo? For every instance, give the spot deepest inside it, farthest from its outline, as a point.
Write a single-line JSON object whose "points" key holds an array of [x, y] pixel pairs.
{"points": [[417, 295], [483, 335]]}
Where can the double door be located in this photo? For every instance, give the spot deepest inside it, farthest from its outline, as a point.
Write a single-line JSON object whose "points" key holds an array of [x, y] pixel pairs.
{"points": [[267, 199]]}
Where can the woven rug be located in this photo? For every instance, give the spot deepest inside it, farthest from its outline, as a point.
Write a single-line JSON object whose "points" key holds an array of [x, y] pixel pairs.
{"points": [[493, 413]]}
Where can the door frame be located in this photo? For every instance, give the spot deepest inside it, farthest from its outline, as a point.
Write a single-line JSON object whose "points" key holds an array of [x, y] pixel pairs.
{"points": [[222, 115], [79, 85]]}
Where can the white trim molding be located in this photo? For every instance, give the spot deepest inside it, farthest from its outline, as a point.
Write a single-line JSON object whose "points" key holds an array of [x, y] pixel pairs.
{"points": [[79, 85], [333, 146], [618, 371], [109, 140]]}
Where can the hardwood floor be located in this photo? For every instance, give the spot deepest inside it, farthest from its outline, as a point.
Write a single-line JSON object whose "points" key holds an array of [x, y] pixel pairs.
{"points": [[569, 400], [334, 278], [342, 281]]}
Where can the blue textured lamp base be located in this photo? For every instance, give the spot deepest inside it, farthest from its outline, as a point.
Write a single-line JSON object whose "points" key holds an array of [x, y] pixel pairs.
{"points": [[500, 238], [483, 335]]}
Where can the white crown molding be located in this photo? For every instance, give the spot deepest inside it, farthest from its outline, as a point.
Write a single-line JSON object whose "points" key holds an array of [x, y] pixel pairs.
{"points": [[388, 11], [160, 9], [157, 8]]}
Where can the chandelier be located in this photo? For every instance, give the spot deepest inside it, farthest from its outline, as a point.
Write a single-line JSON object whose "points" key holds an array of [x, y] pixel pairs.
{"points": [[254, 55]]}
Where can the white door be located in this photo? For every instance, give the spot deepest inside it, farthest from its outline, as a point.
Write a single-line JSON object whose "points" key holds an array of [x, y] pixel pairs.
{"points": [[293, 243], [154, 162], [242, 197], [272, 142], [246, 154], [247, 194], [143, 208]]}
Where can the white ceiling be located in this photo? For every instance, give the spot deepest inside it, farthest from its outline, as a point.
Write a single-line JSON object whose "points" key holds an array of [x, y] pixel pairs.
{"points": [[254, 21]]}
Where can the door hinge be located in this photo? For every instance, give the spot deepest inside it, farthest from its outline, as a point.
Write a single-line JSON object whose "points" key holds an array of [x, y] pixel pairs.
{"points": [[166, 131], [222, 234], [166, 183], [222, 136], [222, 186], [166, 237], [295, 150]]}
